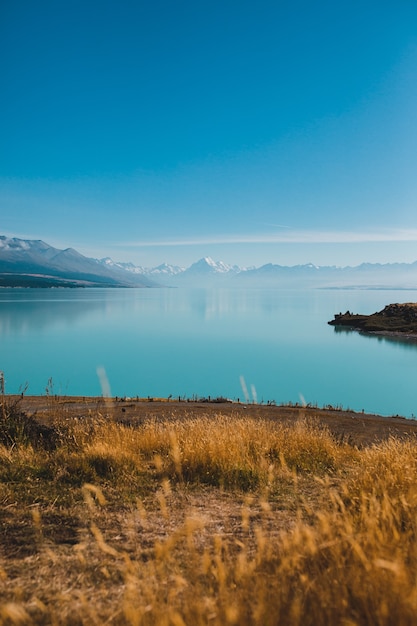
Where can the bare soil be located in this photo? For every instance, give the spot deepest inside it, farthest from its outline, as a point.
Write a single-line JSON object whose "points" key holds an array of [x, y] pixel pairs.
{"points": [[358, 429]]}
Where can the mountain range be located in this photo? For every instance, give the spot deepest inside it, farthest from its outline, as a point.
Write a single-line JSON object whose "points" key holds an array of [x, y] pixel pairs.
{"points": [[34, 263]]}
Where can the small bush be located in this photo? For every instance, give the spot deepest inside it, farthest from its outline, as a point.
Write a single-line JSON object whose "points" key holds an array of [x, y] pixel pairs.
{"points": [[19, 429]]}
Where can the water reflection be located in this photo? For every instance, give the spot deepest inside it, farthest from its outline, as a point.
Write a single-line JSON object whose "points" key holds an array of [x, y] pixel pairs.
{"points": [[22, 315], [36, 309], [406, 342], [410, 343]]}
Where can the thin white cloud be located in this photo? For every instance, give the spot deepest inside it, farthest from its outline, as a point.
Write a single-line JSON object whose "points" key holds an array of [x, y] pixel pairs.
{"points": [[274, 225], [289, 236]]}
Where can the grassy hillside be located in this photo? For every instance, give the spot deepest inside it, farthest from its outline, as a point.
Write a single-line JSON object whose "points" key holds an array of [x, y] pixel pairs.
{"points": [[215, 519]]}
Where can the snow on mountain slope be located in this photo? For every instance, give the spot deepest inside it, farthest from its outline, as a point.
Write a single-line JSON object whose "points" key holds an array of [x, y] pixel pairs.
{"points": [[26, 258]]}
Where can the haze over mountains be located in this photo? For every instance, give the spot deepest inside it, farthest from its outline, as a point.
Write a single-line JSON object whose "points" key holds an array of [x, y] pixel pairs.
{"points": [[34, 263]]}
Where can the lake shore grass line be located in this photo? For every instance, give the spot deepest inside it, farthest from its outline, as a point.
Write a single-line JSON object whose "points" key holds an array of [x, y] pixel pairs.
{"points": [[188, 513]]}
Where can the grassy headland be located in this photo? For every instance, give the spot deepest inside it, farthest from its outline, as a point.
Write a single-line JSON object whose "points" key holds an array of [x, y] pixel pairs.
{"points": [[397, 319], [163, 513]]}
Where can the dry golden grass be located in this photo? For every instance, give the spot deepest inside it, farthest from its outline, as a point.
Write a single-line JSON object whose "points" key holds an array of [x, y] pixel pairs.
{"points": [[206, 521]]}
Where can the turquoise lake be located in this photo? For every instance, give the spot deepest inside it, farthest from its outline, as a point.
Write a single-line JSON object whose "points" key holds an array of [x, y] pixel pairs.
{"points": [[188, 343]]}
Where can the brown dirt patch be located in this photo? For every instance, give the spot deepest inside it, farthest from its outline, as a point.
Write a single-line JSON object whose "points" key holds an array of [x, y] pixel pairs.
{"points": [[359, 429]]}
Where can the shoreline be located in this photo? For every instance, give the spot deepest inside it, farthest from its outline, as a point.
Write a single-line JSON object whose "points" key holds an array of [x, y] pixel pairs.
{"points": [[359, 429], [46, 402]]}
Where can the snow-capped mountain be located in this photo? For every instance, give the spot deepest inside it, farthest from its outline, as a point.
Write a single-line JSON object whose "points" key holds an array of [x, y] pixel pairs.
{"points": [[201, 273], [35, 263], [208, 266], [161, 270], [165, 269], [196, 275], [365, 276]]}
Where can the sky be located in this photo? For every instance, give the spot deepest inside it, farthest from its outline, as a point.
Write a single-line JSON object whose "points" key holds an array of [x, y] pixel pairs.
{"points": [[251, 132]]}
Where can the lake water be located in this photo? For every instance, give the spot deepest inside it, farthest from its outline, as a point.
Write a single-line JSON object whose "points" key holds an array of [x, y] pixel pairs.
{"points": [[178, 342]]}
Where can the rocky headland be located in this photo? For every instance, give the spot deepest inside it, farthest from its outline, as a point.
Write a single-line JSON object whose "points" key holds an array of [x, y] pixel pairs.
{"points": [[394, 319]]}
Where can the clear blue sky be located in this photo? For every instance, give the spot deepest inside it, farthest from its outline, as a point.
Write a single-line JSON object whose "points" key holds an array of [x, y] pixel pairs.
{"points": [[253, 132]]}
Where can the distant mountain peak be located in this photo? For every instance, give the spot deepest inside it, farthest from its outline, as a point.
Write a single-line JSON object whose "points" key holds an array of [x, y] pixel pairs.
{"points": [[208, 266], [13, 243], [166, 269]]}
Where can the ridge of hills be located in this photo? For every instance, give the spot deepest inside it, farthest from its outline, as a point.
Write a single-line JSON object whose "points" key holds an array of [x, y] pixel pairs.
{"points": [[34, 263]]}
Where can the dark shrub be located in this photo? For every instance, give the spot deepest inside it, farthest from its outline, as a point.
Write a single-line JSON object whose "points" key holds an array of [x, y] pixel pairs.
{"points": [[17, 429]]}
